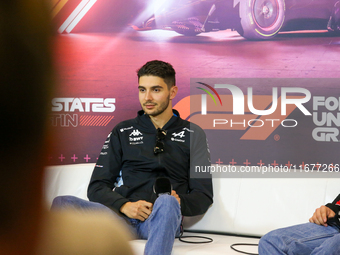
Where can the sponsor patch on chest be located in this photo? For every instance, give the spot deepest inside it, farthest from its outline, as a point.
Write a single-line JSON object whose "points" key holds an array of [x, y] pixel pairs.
{"points": [[136, 137]]}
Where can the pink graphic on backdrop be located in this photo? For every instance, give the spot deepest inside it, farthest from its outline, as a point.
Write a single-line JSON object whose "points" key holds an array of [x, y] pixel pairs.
{"points": [[92, 120]]}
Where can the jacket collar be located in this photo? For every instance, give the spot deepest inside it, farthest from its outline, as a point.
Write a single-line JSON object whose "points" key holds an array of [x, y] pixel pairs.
{"points": [[145, 119]]}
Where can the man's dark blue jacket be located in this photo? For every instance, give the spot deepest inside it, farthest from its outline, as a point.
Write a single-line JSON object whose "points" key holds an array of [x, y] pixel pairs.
{"points": [[129, 152]]}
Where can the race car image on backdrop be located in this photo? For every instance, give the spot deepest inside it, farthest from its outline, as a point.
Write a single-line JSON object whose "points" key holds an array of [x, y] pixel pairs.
{"points": [[252, 19]]}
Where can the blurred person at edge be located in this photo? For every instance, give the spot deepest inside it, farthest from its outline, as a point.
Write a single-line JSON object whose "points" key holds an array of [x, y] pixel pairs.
{"points": [[26, 83]]}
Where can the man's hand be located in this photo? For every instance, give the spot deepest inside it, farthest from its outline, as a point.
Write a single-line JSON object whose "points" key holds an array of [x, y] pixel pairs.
{"points": [[321, 215], [139, 210], [173, 193]]}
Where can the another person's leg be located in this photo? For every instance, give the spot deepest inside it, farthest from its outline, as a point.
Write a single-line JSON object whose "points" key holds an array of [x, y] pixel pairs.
{"points": [[300, 239], [162, 226]]}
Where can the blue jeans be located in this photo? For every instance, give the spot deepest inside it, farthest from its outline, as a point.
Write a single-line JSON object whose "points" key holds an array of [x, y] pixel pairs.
{"points": [[308, 238], [160, 228]]}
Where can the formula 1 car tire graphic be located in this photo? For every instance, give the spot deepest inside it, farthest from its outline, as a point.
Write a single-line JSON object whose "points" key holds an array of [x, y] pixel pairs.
{"points": [[261, 19]]}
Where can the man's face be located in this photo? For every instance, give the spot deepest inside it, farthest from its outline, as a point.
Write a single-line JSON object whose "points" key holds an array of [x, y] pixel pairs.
{"points": [[154, 95]]}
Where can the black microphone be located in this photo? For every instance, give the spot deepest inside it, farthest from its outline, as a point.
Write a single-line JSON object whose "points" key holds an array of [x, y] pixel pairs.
{"points": [[162, 186], [334, 221]]}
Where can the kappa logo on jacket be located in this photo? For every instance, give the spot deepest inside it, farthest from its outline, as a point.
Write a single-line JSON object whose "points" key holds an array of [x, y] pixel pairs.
{"points": [[136, 137], [135, 132]]}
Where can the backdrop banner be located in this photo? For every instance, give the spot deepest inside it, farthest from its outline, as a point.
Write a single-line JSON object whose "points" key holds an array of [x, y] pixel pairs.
{"points": [[286, 124], [275, 102]]}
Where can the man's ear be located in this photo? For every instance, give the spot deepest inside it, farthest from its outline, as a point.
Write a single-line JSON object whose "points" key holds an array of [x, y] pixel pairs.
{"points": [[173, 92]]}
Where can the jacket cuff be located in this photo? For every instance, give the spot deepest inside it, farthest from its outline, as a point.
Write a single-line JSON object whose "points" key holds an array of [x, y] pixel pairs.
{"points": [[119, 203], [334, 208]]}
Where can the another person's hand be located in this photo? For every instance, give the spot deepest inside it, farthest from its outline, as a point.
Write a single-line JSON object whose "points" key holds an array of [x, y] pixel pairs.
{"points": [[321, 215], [139, 210], [173, 193]]}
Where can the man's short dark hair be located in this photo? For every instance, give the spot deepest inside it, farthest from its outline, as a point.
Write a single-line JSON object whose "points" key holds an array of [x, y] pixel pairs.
{"points": [[160, 69]]}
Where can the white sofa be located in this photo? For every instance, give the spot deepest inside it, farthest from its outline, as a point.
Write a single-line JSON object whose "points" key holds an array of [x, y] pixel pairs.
{"points": [[242, 206]]}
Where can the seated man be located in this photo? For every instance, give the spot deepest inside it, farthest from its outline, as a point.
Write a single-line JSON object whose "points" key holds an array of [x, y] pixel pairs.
{"points": [[320, 236], [157, 143]]}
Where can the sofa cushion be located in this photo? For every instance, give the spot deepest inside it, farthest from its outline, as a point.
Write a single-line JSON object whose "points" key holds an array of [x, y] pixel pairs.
{"points": [[245, 206]]}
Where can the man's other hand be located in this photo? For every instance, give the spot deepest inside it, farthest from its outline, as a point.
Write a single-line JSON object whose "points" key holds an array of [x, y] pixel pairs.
{"points": [[139, 210], [173, 193], [321, 215]]}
